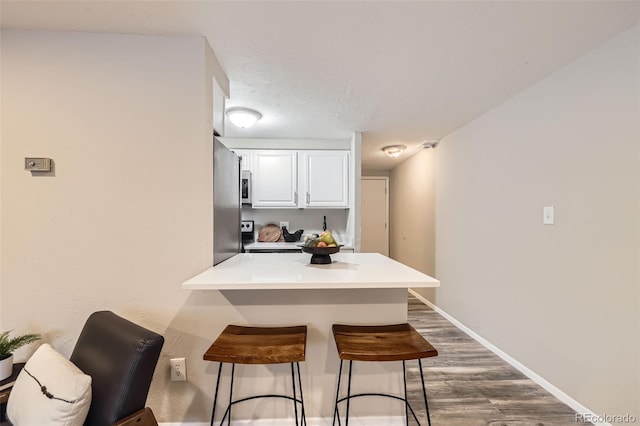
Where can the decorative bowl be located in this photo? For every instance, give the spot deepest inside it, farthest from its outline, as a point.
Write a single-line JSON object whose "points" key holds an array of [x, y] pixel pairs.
{"points": [[320, 255]]}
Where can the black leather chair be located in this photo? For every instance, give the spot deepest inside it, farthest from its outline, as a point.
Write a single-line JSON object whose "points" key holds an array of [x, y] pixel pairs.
{"points": [[120, 357]]}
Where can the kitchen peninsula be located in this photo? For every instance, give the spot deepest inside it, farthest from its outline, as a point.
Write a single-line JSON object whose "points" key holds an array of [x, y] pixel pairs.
{"points": [[275, 289]]}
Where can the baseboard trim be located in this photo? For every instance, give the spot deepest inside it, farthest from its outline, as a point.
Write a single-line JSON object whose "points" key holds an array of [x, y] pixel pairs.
{"points": [[575, 405], [315, 421]]}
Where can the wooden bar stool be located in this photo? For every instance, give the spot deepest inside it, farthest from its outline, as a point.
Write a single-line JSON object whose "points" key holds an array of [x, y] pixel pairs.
{"points": [[259, 345], [398, 342]]}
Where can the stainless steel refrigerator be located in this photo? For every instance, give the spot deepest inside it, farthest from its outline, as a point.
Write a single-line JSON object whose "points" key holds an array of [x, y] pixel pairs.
{"points": [[226, 203]]}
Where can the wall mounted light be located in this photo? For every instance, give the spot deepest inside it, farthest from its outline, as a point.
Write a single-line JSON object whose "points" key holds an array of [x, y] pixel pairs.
{"points": [[243, 117], [394, 151]]}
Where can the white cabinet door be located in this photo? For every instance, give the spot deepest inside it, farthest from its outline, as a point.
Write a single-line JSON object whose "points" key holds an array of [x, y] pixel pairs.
{"points": [[274, 179], [325, 178]]}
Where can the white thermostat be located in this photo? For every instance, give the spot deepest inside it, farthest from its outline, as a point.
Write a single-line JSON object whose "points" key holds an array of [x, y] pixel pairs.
{"points": [[37, 164]]}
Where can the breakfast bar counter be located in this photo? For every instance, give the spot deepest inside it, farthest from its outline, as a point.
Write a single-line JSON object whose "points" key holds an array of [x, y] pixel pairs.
{"points": [[289, 271], [284, 289]]}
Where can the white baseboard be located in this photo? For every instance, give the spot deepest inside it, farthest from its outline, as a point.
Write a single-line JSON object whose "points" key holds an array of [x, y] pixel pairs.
{"points": [[316, 421], [575, 405]]}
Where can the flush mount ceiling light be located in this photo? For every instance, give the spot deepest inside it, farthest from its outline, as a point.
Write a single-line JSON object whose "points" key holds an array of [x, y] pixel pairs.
{"points": [[429, 143], [394, 151], [243, 117]]}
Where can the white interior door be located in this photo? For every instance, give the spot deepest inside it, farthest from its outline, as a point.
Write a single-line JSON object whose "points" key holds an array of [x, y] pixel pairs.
{"points": [[375, 215]]}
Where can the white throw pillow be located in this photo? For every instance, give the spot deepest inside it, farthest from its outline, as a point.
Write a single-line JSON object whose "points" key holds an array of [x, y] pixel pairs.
{"points": [[67, 396]]}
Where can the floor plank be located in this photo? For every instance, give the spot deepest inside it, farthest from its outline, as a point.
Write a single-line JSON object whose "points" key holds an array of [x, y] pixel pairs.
{"points": [[467, 385]]}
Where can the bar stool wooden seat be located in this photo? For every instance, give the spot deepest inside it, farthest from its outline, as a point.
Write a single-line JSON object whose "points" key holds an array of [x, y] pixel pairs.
{"points": [[379, 343], [259, 345]]}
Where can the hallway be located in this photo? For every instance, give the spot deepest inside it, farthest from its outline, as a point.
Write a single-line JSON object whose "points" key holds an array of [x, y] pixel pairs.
{"points": [[467, 385]]}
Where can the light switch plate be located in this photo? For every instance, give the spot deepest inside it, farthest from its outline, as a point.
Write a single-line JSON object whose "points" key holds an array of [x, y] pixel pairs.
{"points": [[548, 215], [37, 164]]}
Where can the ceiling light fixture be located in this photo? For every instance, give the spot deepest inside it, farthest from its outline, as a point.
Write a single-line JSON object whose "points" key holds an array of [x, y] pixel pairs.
{"points": [[243, 117], [429, 143], [394, 151]]}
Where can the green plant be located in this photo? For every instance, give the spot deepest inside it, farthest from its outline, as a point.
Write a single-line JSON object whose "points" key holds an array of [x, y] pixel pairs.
{"points": [[8, 345]]}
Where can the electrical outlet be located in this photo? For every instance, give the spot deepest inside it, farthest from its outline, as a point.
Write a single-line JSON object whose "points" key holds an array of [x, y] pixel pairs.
{"points": [[178, 369], [285, 224]]}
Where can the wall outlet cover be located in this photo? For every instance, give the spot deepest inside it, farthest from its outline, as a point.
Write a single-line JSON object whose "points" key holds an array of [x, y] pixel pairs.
{"points": [[178, 369]]}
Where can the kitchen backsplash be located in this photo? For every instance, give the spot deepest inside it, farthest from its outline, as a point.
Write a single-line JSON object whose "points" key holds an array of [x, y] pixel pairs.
{"points": [[308, 219]]}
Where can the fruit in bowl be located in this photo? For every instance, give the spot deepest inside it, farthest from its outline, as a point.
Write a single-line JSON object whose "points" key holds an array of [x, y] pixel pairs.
{"points": [[320, 240], [320, 246]]}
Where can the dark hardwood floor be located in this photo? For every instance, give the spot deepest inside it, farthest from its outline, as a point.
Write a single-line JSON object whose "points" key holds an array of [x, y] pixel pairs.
{"points": [[467, 385]]}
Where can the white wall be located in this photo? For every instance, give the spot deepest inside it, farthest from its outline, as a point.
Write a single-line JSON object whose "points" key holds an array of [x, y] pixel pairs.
{"points": [[367, 173], [412, 214], [126, 216], [561, 299], [354, 224]]}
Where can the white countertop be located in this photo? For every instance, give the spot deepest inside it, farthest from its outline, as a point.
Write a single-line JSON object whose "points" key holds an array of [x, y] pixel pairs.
{"points": [[273, 246], [271, 271], [259, 245]]}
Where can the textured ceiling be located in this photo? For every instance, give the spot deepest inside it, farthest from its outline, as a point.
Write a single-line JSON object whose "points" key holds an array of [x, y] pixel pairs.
{"points": [[400, 72]]}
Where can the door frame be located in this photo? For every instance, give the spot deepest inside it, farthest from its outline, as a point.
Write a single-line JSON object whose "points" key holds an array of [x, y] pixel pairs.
{"points": [[388, 189]]}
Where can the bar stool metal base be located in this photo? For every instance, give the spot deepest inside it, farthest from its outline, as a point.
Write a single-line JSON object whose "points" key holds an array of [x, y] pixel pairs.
{"points": [[300, 421], [349, 397]]}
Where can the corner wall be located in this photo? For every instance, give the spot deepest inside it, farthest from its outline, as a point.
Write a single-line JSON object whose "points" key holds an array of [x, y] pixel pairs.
{"points": [[127, 215], [412, 215], [562, 299]]}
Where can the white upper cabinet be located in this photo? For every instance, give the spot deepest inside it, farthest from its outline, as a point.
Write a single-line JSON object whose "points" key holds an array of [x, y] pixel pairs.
{"points": [[325, 178], [297, 179], [274, 179]]}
